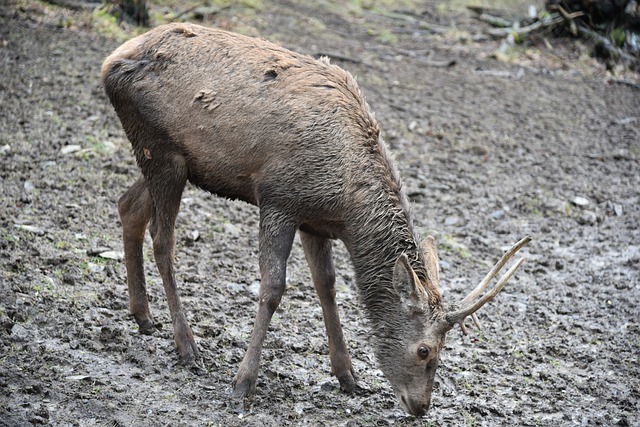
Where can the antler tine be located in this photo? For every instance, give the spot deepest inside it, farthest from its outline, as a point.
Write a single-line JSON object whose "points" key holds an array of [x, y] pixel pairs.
{"points": [[460, 315], [470, 304], [473, 295]]}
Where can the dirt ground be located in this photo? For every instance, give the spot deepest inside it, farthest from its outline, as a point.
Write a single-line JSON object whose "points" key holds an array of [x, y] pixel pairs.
{"points": [[541, 142]]}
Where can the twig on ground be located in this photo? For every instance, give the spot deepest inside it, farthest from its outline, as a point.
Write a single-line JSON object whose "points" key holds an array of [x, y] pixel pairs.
{"points": [[495, 21], [427, 58], [568, 17], [626, 82]]}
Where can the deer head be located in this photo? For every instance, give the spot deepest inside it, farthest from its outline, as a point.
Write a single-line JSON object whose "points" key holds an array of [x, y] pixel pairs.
{"points": [[410, 350]]}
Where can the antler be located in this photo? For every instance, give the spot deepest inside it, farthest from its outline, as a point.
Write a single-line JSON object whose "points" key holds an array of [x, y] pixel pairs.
{"points": [[470, 304]]}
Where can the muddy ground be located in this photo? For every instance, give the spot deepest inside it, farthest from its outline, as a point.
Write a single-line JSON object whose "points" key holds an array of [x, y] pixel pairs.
{"points": [[541, 142]]}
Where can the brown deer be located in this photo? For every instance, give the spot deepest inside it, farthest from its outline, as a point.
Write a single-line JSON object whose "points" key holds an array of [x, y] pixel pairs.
{"points": [[247, 119]]}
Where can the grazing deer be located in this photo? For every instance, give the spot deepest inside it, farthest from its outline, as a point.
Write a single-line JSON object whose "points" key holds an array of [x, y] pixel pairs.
{"points": [[246, 119]]}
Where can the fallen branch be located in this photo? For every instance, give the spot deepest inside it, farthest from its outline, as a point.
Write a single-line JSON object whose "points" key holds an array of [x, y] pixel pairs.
{"points": [[75, 4], [626, 82], [495, 21], [569, 18], [549, 22]]}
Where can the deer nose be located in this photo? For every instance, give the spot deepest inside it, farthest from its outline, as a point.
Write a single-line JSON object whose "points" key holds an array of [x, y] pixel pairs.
{"points": [[420, 412], [417, 408]]}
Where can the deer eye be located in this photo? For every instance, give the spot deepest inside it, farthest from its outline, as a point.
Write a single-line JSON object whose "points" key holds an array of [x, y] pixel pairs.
{"points": [[423, 352]]}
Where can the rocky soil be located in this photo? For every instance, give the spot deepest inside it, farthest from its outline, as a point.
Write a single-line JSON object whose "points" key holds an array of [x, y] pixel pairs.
{"points": [[540, 142]]}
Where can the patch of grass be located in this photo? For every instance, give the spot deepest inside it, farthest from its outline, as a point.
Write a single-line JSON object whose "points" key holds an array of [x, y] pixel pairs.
{"points": [[386, 36], [105, 24], [469, 420], [555, 363], [518, 354], [450, 244], [46, 288]]}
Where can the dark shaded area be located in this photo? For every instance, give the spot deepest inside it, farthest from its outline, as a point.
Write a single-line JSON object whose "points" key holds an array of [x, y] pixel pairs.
{"points": [[613, 26], [133, 11]]}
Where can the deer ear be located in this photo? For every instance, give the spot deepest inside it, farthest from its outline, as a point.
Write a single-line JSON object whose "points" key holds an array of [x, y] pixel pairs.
{"points": [[428, 248], [407, 284]]}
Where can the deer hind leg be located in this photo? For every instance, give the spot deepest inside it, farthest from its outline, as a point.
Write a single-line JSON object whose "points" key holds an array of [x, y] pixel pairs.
{"points": [[165, 187], [317, 251], [135, 209], [276, 237]]}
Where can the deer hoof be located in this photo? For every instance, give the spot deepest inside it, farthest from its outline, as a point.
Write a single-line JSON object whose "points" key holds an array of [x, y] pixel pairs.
{"points": [[146, 326], [348, 383], [187, 350], [188, 356], [242, 389]]}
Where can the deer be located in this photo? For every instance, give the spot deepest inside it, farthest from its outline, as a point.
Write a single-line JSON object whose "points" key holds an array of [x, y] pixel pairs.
{"points": [[247, 119]]}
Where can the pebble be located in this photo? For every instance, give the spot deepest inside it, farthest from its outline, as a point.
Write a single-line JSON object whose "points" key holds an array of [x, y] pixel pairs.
{"points": [[498, 214], [115, 255], [19, 333], [588, 218], [231, 229], [254, 288], [617, 209], [28, 187], [451, 220], [31, 229], [70, 149], [580, 201], [555, 205], [234, 287]]}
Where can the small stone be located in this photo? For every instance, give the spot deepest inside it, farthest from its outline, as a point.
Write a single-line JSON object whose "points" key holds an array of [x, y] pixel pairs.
{"points": [[617, 209], [451, 220], [554, 205], [588, 218], [115, 255], [97, 250], [70, 149], [19, 333], [28, 187], [110, 147], [254, 288], [234, 287], [231, 229], [580, 201], [31, 229], [77, 377], [498, 214]]}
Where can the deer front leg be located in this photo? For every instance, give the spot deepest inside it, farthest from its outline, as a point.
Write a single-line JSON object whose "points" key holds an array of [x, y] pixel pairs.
{"points": [[276, 238], [317, 251]]}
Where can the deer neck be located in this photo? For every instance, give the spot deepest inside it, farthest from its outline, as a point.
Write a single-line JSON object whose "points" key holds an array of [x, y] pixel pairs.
{"points": [[379, 231]]}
